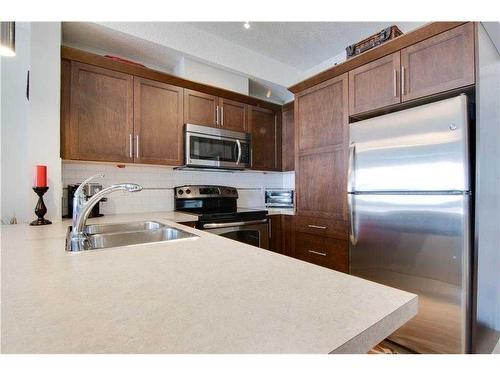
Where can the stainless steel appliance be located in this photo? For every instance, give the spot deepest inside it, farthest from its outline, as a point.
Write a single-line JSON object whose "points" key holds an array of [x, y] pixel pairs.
{"points": [[409, 199], [279, 198], [208, 147], [88, 191], [217, 212]]}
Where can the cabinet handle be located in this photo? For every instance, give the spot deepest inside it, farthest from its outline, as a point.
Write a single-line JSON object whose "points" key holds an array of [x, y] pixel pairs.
{"points": [[402, 80], [222, 116], [316, 226], [130, 145], [137, 146], [217, 115], [395, 83], [317, 253]]}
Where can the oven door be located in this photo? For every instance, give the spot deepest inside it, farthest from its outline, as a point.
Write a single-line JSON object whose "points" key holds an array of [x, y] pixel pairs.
{"points": [[213, 151], [255, 233]]}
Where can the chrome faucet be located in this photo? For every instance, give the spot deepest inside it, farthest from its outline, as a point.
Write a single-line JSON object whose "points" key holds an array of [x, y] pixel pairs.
{"points": [[82, 208]]}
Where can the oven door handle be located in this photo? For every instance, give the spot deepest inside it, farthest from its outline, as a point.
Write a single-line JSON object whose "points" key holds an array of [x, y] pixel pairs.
{"points": [[233, 224]]}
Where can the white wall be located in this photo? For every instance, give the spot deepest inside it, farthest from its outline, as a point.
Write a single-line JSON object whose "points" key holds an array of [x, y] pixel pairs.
{"points": [[30, 129], [158, 183], [199, 72]]}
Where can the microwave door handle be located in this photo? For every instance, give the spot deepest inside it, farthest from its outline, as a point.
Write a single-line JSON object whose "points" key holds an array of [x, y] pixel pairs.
{"points": [[350, 168], [239, 151]]}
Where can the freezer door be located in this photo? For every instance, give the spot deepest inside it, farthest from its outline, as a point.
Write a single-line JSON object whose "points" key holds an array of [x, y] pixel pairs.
{"points": [[418, 243], [419, 149]]}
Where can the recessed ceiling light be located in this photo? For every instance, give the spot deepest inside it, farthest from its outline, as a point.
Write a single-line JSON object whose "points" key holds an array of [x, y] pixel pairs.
{"points": [[246, 25]]}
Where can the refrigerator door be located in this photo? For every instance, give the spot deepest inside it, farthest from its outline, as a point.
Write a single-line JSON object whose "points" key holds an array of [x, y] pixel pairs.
{"points": [[419, 149], [418, 243]]}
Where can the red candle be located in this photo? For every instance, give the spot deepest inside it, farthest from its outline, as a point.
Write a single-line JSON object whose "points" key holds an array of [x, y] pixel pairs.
{"points": [[40, 176]]}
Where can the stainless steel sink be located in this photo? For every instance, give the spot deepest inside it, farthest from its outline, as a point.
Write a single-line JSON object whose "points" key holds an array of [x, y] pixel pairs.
{"points": [[123, 227], [126, 234]]}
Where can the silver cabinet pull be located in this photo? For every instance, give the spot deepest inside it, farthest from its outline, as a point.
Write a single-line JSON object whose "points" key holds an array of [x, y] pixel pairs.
{"points": [[402, 80], [130, 145], [222, 116], [217, 115], [316, 226], [317, 253], [395, 83], [137, 146]]}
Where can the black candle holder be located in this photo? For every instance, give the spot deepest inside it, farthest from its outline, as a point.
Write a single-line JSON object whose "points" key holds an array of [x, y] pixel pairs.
{"points": [[40, 209]]}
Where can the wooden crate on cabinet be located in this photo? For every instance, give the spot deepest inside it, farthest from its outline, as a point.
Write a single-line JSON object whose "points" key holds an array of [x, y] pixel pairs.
{"points": [[265, 128]]}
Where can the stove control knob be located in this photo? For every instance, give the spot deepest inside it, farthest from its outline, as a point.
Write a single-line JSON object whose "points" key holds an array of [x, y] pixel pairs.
{"points": [[180, 192], [188, 191]]}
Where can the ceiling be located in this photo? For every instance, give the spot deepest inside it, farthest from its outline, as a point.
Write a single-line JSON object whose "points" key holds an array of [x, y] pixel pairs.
{"points": [[302, 45]]}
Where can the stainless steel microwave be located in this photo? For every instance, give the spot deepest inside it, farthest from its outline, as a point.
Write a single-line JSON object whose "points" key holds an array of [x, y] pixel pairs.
{"points": [[208, 147]]}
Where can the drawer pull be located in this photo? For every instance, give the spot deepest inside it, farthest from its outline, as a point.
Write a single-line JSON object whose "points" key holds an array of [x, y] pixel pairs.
{"points": [[317, 253], [316, 226]]}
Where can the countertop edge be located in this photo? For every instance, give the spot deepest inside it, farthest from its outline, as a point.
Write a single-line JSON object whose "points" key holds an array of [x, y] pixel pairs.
{"points": [[364, 341]]}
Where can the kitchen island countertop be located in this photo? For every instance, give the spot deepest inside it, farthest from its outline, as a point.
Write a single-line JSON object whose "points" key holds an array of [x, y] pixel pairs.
{"points": [[207, 295]]}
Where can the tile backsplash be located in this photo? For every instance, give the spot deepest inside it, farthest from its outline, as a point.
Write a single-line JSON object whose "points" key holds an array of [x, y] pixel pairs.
{"points": [[158, 183]]}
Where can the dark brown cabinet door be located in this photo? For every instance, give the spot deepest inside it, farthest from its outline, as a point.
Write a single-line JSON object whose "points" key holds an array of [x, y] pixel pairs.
{"points": [[321, 147], [266, 139], [441, 63], [323, 251], [158, 121], [233, 115], [101, 114], [375, 85], [200, 108], [288, 148]]}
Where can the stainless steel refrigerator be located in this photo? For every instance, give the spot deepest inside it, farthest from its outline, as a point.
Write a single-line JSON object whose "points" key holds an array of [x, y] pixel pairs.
{"points": [[410, 217]]}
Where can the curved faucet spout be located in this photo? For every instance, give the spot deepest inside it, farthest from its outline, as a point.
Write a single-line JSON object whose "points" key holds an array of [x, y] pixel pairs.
{"points": [[81, 219]]}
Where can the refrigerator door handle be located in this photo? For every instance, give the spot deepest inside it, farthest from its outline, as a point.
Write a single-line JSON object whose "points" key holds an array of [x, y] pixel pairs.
{"points": [[350, 167], [352, 229]]}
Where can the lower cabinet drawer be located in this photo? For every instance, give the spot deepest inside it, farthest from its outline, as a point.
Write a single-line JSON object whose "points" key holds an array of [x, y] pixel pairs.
{"points": [[323, 251], [323, 227]]}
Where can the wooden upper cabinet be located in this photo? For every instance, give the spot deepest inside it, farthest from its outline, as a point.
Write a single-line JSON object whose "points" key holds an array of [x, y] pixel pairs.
{"points": [[375, 85], [200, 108], [101, 115], [232, 115], [288, 142], [158, 122], [320, 115], [440, 63], [321, 126], [266, 139]]}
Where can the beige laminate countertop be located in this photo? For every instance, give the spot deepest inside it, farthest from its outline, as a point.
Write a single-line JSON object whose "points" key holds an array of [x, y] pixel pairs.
{"points": [[207, 295]]}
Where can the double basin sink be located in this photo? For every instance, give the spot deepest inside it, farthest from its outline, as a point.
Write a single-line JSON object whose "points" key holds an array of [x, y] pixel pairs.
{"points": [[100, 236]]}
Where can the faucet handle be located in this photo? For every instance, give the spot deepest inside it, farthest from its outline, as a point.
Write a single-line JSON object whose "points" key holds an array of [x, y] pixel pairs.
{"points": [[79, 190]]}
